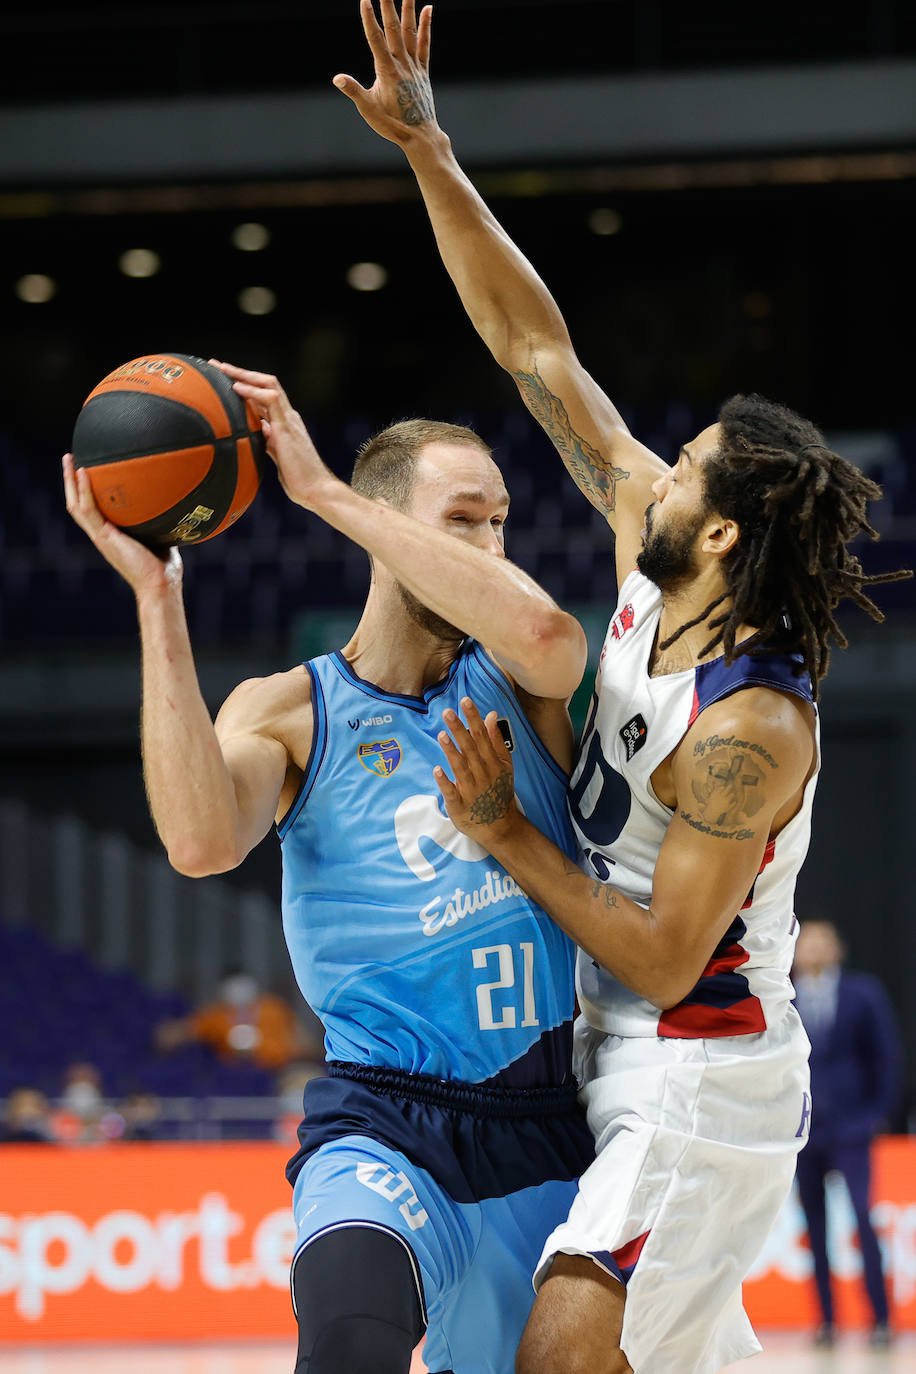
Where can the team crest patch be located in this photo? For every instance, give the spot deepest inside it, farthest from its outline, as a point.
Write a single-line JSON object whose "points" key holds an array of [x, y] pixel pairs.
{"points": [[382, 756]]}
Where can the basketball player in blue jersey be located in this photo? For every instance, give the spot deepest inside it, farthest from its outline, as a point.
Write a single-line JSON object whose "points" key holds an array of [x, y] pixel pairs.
{"points": [[446, 1140], [691, 801]]}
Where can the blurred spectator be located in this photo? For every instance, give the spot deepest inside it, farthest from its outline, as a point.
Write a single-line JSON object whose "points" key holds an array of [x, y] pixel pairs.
{"points": [[82, 1115], [26, 1118], [244, 1025], [141, 1113], [856, 1073]]}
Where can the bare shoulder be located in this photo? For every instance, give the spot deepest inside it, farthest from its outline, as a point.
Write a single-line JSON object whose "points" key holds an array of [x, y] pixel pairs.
{"points": [[277, 706], [757, 746]]}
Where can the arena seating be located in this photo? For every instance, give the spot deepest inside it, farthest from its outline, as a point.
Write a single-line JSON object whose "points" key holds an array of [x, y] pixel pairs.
{"points": [[279, 562], [59, 1008]]}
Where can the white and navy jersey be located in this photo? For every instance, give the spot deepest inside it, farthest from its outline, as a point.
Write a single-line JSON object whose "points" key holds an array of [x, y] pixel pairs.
{"points": [[415, 948], [636, 721]]}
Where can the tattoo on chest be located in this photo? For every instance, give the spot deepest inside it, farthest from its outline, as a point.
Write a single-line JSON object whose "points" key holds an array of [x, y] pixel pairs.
{"points": [[493, 804], [591, 470], [415, 102]]}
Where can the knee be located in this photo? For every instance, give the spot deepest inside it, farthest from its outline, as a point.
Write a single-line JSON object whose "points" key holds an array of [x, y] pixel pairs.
{"points": [[357, 1303], [563, 1359], [359, 1345]]}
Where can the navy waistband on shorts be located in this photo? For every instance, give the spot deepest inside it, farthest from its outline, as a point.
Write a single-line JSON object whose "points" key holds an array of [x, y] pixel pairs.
{"points": [[476, 1140], [478, 1099]]}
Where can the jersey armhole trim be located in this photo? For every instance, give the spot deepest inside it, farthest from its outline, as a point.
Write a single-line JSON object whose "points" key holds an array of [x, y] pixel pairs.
{"points": [[316, 754], [366, 1226], [729, 689], [491, 668]]}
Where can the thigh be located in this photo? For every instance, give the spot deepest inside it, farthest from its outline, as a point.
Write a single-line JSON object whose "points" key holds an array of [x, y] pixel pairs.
{"points": [[489, 1310], [356, 1181]]}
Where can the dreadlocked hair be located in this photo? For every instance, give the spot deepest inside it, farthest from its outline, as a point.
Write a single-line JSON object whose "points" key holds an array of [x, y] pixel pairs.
{"points": [[797, 505]]}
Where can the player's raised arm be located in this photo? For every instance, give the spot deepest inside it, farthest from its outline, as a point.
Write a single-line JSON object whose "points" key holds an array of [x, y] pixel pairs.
{"points": [[509, 305], [210, 804], [466, 581]]}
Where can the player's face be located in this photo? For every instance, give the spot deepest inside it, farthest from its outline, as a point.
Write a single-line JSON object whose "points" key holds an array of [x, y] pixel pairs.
{"points": [[460, 490], [677, 515]]}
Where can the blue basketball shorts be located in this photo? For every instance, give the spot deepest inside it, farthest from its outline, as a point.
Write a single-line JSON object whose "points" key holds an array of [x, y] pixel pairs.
{"points": [[472, 1187]]}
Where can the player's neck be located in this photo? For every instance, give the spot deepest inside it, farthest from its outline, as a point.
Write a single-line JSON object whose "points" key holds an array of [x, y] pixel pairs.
{"points": [[389, 649], [679, 607]]}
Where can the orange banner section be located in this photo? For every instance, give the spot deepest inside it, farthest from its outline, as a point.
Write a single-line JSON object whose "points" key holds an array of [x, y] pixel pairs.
{"points": [[780, 1290], [145, 1242], [164, 1242]]}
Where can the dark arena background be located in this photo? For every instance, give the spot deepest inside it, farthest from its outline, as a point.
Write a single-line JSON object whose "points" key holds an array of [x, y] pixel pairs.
{"points": [[721, 199]]}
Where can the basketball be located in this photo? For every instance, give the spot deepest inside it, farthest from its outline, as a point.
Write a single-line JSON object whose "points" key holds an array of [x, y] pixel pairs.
{"points": [[174, 455]]}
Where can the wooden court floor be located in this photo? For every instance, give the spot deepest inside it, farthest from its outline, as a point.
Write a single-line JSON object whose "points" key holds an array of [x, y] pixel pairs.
{"points": [[782, 1354]]}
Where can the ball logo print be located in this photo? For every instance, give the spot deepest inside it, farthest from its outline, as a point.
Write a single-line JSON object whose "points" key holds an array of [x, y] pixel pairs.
{"points": [[174, 454]]}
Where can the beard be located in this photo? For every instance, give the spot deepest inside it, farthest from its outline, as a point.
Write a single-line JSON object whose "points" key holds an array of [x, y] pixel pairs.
{"points": [[426, 619], [666, 556]]}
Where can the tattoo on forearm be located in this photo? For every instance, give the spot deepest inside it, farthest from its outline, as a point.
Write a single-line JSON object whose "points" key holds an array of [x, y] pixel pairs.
{"points": [[716, 834], [494, 803], [608, 893], [415, 101], [717, 742], [729, 787], [596, 476]]}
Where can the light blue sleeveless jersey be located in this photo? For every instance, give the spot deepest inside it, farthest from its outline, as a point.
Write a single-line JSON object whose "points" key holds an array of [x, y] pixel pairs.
{"points": [[414, 947]]}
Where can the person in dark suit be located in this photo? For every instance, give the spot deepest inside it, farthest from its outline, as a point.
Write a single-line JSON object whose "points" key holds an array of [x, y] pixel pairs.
{"points": [[855, 1081]]}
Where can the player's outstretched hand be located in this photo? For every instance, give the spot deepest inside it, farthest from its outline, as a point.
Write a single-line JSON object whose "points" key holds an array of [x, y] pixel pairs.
{"points": [[400, 100], [302, 473], [138, 565], [481, 800]]}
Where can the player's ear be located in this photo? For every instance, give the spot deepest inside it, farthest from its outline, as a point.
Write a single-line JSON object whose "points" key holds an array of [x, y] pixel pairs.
{"points": [[720, 536]]}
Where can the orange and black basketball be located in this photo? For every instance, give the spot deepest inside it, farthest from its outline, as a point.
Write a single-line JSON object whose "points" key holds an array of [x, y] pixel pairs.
{"points": [[174, 455]]}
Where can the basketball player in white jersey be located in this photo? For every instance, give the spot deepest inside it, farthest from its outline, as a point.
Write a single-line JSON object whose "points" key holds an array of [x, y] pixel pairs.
{"points": [[691, 801]]}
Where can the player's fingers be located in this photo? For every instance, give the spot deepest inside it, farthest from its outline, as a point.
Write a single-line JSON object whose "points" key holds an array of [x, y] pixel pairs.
{"points": [[481, 735], [66, 464], [84, 509], [498, 744], [457, 761], [351, 88], [245, 374], [409, 27], [376, 37], [450, 794], [271, 404], [424, 36], [464, 740], [392, 26]]}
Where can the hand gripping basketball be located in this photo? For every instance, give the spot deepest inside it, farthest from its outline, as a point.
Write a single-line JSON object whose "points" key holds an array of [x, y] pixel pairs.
{"points": [[174, 454], [302, 473]]}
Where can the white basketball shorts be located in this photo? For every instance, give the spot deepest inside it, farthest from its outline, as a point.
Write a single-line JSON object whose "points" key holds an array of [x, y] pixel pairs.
{"points": [[696, 1144]]}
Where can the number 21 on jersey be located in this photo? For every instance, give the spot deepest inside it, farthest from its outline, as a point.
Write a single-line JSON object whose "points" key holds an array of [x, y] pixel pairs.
{"points": [[500, 959]]}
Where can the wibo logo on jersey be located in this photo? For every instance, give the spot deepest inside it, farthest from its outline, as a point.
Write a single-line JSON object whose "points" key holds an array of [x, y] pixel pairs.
{"points": [[419, 818], [369, 720], [381, 757]]}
